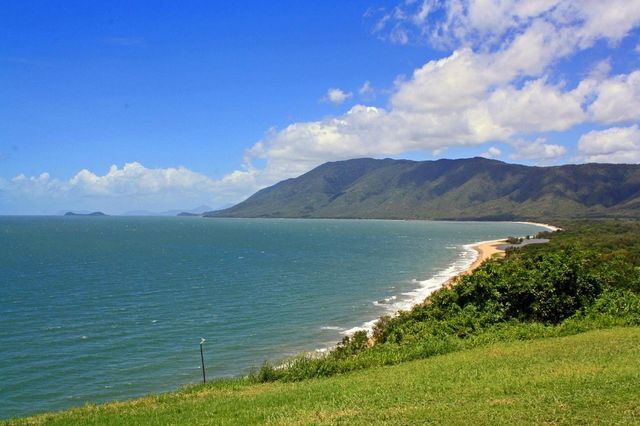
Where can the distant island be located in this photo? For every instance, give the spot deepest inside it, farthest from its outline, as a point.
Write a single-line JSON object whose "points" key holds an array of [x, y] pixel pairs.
{"points": [[188, 214], [463, 189], [85, 214]]}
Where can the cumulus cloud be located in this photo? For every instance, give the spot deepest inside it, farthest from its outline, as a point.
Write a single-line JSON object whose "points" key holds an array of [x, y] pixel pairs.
{"points": [[492, 152], [131, 187], [601, 70], [336, 96], [618, 99], [613, 145], [537, 150], [134, 178], [495, 86], [537, 106], [484, 24]]}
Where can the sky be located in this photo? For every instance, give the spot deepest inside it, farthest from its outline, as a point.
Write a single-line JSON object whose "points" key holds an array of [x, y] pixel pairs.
{"points": [[125, 106]]}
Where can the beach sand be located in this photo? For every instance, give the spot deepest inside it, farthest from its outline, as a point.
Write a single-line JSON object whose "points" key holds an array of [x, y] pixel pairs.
{"points": [[489, 249], [486, 250], [546, 225]]}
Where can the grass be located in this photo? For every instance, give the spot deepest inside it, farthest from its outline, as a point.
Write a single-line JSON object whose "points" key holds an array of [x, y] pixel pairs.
{"points": [[587, 378], [548, 335]]}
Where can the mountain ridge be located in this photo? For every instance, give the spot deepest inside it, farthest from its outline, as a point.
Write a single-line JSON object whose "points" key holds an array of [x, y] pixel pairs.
{"points": [[458, 189]]}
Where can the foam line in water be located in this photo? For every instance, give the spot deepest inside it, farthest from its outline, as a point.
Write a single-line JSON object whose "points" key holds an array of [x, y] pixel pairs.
{"points": [[424, 288]]}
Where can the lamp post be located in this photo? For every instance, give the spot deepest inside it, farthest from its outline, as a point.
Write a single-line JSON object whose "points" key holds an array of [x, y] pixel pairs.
{"points": [[204, 377]]}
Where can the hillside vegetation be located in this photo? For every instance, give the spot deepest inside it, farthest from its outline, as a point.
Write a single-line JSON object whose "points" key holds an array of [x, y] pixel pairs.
{"points": [[591, 378], [549, 334], [474, 188], [587, 277]]}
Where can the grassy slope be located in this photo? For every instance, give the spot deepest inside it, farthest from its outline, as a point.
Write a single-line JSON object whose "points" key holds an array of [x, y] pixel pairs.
{"points": [[582, 379]]}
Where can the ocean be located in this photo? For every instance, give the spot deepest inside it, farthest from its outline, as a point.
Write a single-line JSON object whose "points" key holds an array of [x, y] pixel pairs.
{"points": [[96, 309]]}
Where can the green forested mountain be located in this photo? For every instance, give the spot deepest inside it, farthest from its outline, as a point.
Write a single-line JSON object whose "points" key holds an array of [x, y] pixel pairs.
{"points": [[474, 188]]}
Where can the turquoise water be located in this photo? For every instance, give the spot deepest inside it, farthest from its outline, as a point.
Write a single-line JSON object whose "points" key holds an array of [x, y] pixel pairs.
{"points": [[102, 308]]}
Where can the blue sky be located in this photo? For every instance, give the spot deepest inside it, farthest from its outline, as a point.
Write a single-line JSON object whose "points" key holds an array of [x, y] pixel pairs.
{"points": [[122, 106]]}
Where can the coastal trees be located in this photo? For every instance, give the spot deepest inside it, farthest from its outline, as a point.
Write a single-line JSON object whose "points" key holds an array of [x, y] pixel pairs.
{"points": [[587, 277], [545, 287]]}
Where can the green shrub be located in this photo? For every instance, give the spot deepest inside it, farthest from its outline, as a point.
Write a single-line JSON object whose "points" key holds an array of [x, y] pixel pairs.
{"points": [[351, 345], [587, 277]]}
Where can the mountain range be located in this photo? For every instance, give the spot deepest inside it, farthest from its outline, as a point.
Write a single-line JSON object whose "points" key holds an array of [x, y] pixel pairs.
{"points": [[462, 189], [195, 211]]}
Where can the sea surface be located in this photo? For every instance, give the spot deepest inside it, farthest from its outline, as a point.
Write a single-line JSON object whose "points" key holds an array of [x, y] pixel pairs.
{"points": [[100, 308]]}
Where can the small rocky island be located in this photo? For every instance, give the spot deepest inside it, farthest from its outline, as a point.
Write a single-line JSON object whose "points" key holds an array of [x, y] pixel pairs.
{"points": [[85, 214]]}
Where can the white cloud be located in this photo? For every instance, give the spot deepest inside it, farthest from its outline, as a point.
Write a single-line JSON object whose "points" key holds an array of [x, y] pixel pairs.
{"points": [[611, 19], [494, 87], [492, 152], [448, 84], [537, 150], [366, 89], [136, 179], [618, 99], [336, 96], [36, 185], [613, 145], [469, 97], [601, 70], [462, 100], [484, 24], [399, 35], [132, 187], [537, 107]]}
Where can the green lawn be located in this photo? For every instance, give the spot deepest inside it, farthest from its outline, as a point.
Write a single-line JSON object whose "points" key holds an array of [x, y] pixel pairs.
{"points": [[588, 378]]}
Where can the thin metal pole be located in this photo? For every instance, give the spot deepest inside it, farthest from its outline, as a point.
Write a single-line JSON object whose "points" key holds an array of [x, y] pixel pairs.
{"points": [[204, 377]]}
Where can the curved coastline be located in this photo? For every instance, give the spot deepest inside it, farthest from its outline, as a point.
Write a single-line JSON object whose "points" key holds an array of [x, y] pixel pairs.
{"points": [[471, 258], [551, 228]]}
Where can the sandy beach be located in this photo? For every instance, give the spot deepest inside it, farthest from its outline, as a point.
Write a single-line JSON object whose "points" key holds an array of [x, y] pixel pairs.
{"points": [[485, 250], [546, 225], [489, 249]]}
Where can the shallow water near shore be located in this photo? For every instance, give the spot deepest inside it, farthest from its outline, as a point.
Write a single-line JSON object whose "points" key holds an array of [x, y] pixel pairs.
{"points": [[102, 308]]}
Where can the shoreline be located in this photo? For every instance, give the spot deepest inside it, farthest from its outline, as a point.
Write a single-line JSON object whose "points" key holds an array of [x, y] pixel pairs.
{"points": [[551, 228], [484, 250]]}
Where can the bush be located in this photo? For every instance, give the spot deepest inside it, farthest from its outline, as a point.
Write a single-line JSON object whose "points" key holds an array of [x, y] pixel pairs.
{"points": [[577, 282], [351, 345]]}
